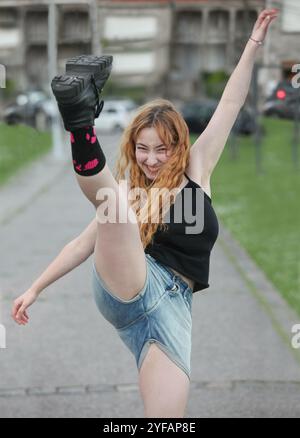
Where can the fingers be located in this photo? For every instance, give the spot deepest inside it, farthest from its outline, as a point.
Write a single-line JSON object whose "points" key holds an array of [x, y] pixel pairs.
{"points": [[22, 317], [263, 21], [267, 20], [259, 20], [15, 309], [19, 313], [263, 16], [269, 11], [266, 12]]}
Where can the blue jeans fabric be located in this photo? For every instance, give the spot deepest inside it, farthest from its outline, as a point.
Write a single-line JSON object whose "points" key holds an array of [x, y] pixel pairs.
{"points": [[160, 313]]}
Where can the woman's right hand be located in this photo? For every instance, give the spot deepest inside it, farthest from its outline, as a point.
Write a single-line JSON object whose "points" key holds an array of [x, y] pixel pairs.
{"points": [[262, 23], [20, 305]]}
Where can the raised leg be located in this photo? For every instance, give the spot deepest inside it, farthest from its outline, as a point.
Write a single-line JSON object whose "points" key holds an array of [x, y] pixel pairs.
{"points": [[119, 254]]}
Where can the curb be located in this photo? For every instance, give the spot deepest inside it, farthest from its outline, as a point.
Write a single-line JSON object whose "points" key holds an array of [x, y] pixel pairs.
{"points": [[29, 183], [282, 316]]}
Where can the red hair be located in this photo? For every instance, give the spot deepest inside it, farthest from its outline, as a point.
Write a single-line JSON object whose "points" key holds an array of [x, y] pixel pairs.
{"points": [[173, 131]]}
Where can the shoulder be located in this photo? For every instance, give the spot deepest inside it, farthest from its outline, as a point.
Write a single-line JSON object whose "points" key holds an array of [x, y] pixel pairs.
{"points": [[196, 176], [196, 170]]}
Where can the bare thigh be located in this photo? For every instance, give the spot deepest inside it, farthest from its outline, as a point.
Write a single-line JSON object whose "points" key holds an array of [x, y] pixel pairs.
{"points": [[119, 255], [164, 386]]}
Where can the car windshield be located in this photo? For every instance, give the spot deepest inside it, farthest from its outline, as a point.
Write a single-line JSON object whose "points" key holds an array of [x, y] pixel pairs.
{"points": [[35, 96], [130, 106], [114, 106]]}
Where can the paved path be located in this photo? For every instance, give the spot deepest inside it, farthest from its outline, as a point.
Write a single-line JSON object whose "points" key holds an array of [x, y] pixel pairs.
{"points": [[68, 362]]}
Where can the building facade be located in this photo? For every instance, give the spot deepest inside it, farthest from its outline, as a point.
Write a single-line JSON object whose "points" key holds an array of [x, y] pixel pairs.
{"points": [[161, 44]]}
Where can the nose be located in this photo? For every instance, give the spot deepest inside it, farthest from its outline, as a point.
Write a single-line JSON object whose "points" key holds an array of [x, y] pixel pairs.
{"points": [[151, 159]]}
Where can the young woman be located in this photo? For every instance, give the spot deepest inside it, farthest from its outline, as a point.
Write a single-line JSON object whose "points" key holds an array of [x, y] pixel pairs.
{"points": [[145, 271]]}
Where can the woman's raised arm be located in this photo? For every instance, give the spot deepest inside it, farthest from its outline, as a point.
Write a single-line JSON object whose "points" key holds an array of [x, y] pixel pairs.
{"points": [[207, 149]]}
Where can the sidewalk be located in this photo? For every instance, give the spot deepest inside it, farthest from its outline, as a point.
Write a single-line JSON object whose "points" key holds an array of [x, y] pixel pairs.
{"points": [[68, 362]]}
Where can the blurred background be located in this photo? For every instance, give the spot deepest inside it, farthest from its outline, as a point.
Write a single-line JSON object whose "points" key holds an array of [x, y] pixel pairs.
{"points": [[185, 51], [181, 50]]}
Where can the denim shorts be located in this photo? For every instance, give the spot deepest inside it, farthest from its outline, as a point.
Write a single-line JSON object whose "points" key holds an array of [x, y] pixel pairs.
{"points": [[161, 312]]}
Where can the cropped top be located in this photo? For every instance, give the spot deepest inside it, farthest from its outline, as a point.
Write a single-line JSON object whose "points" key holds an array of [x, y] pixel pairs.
{"points": [[192, 231]]}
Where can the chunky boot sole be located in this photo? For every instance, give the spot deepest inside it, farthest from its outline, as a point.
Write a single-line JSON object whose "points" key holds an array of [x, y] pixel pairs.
{"points": [[77, 91], [99, 66]]}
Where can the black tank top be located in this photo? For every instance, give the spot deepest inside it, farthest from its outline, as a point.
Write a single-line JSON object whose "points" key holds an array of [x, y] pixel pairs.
{"points": [[186, 245]]}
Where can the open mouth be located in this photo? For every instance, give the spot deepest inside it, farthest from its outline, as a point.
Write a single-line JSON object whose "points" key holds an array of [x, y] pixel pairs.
{"points": [[152, 170]]}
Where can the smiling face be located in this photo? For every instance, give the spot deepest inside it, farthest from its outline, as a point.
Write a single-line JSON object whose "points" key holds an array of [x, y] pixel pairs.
{"points": [[150, 152]]}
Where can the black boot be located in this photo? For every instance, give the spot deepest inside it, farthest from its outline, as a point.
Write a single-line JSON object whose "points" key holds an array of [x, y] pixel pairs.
{"points": [[77, 91]]}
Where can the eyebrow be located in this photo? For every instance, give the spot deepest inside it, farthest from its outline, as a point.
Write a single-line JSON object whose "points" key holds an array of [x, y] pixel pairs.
{"points": [[154, 146]]}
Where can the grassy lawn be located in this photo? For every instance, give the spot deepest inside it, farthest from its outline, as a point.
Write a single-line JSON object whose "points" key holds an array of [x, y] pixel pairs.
{"points": [[19, 145], [263, 211]]}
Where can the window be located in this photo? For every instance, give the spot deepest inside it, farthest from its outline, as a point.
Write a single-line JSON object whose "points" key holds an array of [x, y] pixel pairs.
{"points": [[134, 63], [9, 38], [291, 16], [130, 28]]}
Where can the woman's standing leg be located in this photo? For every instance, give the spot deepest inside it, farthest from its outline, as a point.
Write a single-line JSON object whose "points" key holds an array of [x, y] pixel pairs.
{"points": [[119, 254], [164, 386]]}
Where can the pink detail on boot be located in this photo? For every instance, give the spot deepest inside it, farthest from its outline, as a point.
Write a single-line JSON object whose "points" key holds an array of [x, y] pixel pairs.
{"points": [[74, 162], [94, 131], [72, 138], [87, 136], [91, 164], [93, 140], [78, 168]]}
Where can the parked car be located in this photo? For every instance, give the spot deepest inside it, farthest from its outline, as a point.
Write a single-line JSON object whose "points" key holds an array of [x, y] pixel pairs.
{"points": [[283, 102], [115, 115], [197, 115], [33, 108]]}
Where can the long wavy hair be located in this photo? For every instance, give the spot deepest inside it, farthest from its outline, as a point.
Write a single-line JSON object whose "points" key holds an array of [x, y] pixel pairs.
{"points": [[173, 132]]}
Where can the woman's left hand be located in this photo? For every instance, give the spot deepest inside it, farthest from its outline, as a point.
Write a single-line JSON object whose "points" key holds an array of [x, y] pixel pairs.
{"points": [[262, 23]]}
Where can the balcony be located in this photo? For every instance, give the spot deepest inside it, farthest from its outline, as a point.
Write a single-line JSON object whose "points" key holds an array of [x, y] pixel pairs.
{"points": [[8, 17], [132, 29], [188, 27], [245, 20], [218, 27], [75, 27], [36, 27], [36, 64]]}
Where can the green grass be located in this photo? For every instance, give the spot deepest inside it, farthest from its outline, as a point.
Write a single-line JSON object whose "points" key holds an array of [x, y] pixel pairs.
{"points": [[19, 145], [262, 210]]}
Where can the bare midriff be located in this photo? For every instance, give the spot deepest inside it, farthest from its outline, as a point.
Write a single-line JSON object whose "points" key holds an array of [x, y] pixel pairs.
{"points": [[187, 280]]}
